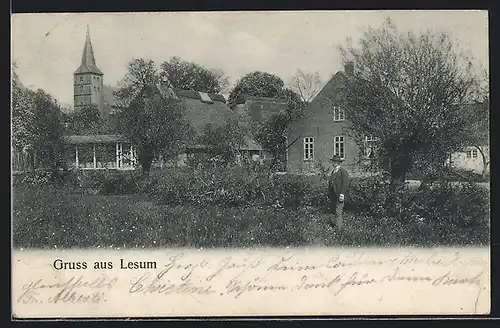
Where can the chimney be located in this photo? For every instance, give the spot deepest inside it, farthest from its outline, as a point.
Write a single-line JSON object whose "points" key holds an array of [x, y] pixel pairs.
{"points": [[349, 68]]}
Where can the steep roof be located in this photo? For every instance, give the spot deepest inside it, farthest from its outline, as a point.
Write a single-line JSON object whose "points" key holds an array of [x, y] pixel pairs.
{"points": [[332, 89], [201, 110], [88, 64], [200, 113], [261, 108]]}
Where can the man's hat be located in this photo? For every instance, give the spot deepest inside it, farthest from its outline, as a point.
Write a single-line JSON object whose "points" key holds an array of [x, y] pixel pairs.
{"points": [[336, 158]]}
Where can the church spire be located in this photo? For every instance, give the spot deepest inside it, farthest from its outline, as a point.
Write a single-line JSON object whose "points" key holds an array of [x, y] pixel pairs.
{"points": [[88, 64]]}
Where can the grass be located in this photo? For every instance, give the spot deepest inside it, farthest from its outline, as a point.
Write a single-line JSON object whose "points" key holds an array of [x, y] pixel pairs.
{"points": [[48, 217]]}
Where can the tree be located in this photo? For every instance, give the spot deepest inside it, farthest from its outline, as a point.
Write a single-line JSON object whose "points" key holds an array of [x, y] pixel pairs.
{"points": [[85, 121], [22, 114], [189, 75], [155, 125], [307, 85], [224, 140], [409, 90], [259, 84], [481, 111], [48, 130], [271, 133], [37, 126], [140, 72]]}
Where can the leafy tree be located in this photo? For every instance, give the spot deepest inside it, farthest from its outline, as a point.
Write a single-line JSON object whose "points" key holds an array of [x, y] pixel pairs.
{"points": [[409, 91], [271, 133], [48, 130], [155, 125], [22, 114], [224, 140], [85, 121], [307, 85], [188, 75], [140, 72], [37, 126], [259, 84]]}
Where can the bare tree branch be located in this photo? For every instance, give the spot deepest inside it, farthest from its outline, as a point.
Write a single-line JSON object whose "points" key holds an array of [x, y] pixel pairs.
{"points": [[307, 85]]}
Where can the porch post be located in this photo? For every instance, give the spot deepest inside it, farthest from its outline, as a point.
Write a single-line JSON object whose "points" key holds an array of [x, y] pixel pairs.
{"points": [[117, 155], [95, 162], [76, 156], [131, 156]]}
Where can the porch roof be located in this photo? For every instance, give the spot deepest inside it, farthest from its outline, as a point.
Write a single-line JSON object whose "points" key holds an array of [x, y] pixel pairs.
{"points": [[93, 139]]}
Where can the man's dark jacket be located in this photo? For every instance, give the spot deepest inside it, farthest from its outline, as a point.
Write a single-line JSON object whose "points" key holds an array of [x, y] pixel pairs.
{"points": [[338, 182]]}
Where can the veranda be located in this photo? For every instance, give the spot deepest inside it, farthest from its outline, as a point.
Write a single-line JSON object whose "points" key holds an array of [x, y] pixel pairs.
{"points": [[95, 152]]}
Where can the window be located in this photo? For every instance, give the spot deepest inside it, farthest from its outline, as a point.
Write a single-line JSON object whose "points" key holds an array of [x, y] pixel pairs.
{"points": [[370, 144], [338, 113], [339, 147], [472, 153], [81, 78], [308, 148]]}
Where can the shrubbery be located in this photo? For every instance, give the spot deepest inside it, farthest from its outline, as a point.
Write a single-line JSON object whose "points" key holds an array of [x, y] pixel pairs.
{"points": [[235, 207], [109, 182], [232, 187], [106, 182]]}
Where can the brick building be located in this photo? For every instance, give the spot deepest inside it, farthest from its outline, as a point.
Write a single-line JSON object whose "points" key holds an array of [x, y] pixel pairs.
{"points": [[321, 132]]}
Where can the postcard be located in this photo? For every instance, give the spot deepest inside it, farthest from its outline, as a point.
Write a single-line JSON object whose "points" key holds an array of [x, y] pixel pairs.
{"points": [[238, 164]]}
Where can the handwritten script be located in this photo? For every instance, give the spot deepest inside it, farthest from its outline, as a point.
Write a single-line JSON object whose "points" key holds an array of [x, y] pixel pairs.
{"points": [[245, 276]]}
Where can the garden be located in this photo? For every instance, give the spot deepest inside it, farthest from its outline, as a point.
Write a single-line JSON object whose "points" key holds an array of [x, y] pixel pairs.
{"points": [[235, 207]]}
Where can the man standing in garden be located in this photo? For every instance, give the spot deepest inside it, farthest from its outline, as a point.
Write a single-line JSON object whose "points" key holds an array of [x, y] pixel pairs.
{"points": [[337, 187]]}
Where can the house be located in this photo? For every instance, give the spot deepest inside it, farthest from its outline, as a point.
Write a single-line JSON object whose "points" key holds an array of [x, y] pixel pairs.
{"points": [[324, 131], [471, 159], [203, 108], [321, 132]]}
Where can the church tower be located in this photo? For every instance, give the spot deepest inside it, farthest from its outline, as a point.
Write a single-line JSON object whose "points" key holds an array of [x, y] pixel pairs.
{"points": [[88, 80]]}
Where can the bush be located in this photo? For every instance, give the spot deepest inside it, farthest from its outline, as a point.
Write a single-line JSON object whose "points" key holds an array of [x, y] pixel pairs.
{"points": [[113, 182], [231, 187], [458, 204], [367, 195], [41, 178]]}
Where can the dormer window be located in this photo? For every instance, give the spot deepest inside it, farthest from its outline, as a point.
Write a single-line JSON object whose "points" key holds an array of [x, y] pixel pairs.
{"points": [[205, 98]]}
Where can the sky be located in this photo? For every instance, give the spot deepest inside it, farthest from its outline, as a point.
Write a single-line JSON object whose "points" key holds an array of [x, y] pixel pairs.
{"points": [[47, 48]]}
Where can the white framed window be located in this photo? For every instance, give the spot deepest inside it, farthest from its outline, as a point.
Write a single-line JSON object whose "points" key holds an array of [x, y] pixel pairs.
{"points": [[308, 148], [339, 146], [370, 144], [338, 113], [472, 153]]}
